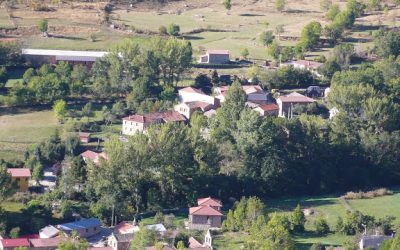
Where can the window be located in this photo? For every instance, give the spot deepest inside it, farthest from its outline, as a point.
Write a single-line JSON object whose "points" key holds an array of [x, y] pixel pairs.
{"points": [[87, 230]]}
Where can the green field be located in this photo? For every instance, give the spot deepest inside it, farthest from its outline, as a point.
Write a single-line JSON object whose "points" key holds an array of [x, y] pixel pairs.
{"points": [[20, 128]]}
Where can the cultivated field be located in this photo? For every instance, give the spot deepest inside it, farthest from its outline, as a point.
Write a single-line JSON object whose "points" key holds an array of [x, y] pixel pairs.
{"points": [[71, 25]]}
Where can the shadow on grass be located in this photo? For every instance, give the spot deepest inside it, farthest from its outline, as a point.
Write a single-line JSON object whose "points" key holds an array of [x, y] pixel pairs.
{"points": [[68, 37], [356, 40], [362, 27], [251, 15], [193, 37], [290, 204]]}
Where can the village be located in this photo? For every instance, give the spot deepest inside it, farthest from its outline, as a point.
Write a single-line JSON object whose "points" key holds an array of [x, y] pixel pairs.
{"points": [[199, 125]]}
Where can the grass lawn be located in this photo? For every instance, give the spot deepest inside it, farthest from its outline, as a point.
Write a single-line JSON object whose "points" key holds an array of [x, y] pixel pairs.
{"points": [[15, 207], [379, 207], [20, 128], [229, 241]]}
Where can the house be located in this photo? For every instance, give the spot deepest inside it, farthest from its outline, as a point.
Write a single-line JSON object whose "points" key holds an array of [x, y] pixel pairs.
{"points": [[254, 93], [372, 241], [38, 57], [21, 177], [207, 214], [84, 227], [215, 57], [44, 244], [314, 91], [190, 94], [188, 108], [84, 137], [48, 232], [120, 241], [89, 155], [124, 228], [311, 66], [192, 99], [9, 244], [271, 109], [286, 103], [139, 123]]}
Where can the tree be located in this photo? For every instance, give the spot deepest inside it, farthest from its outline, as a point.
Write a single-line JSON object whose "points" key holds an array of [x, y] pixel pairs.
{"points": [[279, 29], [43, 26], [266, 37], [333, 11], [274, 50], [163, 30], [298, 219], [245, 53], [321, 226], [180, 245], [227, 5], [310, 35], [387, 43], [72, 143], [330, 68], [87, 110], [14, 232], [60, 109], [144, 238], [73, 243], [173, 29], [356, 7], [280, 5], [37, 172], [10, 53], [215, 78], [3, 77]]}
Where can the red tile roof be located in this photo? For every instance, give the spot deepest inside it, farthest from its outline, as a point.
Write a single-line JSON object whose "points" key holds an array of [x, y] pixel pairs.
{"points": [[204, 210], [90, 155], [20, 242], [269, 107], [153, 117], [19, 172], [124, 227], [209, 202], [192, 90], [218, 52], [84, 134], [50, 242], [296, 98]]}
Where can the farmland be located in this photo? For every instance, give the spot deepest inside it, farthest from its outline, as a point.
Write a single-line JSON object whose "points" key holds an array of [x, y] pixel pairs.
{"points": [[70, 26]]}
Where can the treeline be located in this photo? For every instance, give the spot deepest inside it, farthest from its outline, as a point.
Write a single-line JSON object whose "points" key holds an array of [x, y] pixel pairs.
{"points": [[128, 71]]}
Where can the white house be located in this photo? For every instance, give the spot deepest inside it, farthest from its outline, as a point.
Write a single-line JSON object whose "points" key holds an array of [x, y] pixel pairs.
{"points": [[215, 57], [311, 66], [192, 99], [190, 94]]}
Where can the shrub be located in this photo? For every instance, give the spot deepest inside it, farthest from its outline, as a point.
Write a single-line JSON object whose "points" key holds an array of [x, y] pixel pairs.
{"points": [[163, 30], [321, 226], [174, 29], [367, 195]]}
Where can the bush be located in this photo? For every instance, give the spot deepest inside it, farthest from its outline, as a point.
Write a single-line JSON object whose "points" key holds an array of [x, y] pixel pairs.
{"points": [[163, 30], [321, 226], [3, 77], [367, 195], [174, 29], [14, 232]]}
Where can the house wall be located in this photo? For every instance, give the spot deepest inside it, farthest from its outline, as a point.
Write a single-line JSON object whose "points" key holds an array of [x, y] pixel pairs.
{"points": [[87, 232], [212, 221], [37, 60], [257, 97], [130, 127], [218, 58], [22, 183], [183, 110], [44, 248], [285, 109]]}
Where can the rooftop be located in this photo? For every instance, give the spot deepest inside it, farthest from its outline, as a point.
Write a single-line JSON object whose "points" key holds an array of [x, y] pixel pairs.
{"points": [[90, 155], [209, 202], [47, 52], [20, 242], [167, 116], [157, 227], [124, 227], [218, 52], [204, 210], [310, 64], [51, 242], [81, 224], [19, 172], [269, 107], [191, 90], [49, 231], [296, 98]]}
